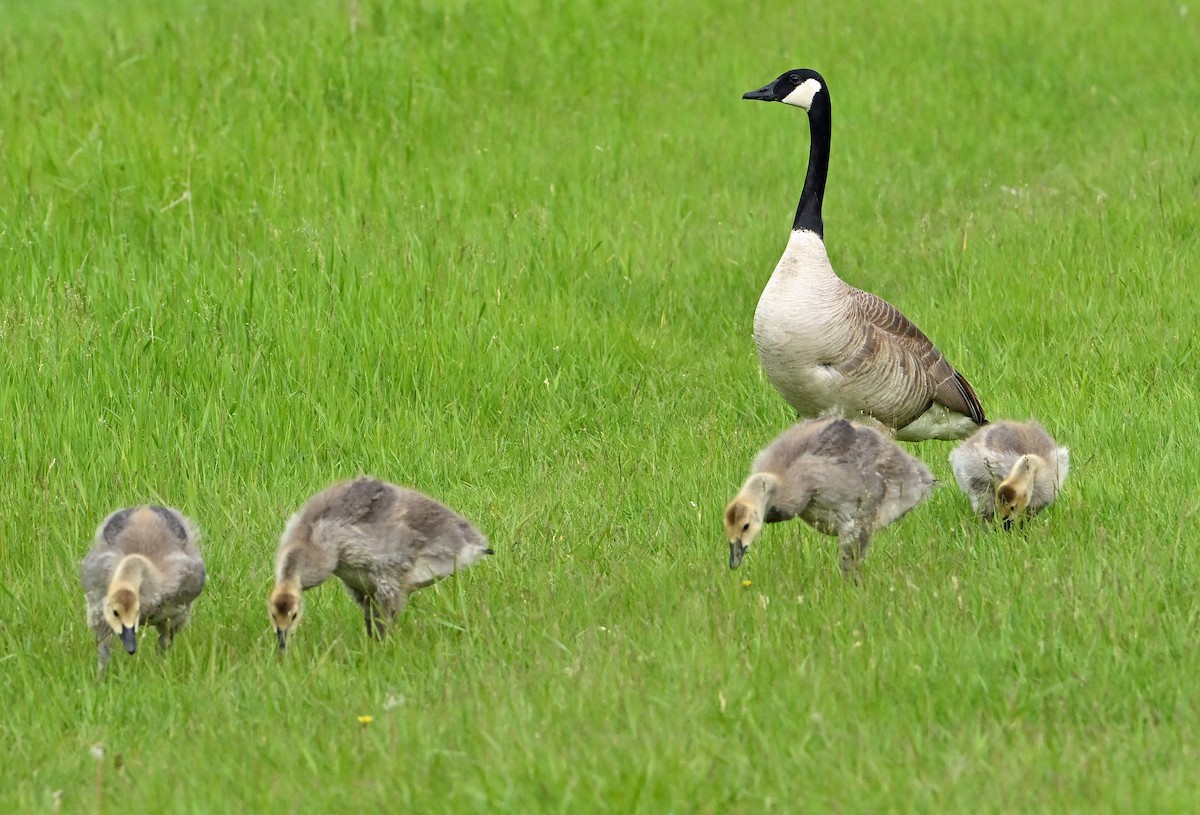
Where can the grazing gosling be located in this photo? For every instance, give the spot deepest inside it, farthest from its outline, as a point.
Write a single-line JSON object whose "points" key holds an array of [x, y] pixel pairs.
{"points": [[842, 478], [1010, 470], [144, 567], [383, 541]]}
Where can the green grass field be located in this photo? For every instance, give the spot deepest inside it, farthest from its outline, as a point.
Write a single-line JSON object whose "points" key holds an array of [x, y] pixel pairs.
{"points": [[508, 253]]}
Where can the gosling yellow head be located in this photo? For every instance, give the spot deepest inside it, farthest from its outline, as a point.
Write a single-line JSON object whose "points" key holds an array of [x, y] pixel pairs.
{"points": [[1011, 502], [122, 607], [1013, 493], [743, 522], [285, 606]]}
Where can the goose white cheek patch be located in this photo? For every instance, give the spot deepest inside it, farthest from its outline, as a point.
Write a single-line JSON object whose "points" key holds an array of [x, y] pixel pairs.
{"points": [[802, 96]]}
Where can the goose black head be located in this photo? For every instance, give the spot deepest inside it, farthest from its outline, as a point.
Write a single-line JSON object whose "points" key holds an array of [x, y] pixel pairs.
{"points": [[799, 87]]}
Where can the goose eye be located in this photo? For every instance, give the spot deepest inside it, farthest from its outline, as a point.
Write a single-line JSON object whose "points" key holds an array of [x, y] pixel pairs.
{"points": [[746, 526], [796, 78], [116, 613]]}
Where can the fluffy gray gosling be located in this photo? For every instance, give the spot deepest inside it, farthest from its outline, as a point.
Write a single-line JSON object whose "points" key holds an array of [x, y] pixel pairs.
{"points": [[382, 541], [144, 567], [842, 478]]}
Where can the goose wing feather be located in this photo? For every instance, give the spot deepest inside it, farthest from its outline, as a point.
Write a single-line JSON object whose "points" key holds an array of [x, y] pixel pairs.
{"points": [[891, 347]]}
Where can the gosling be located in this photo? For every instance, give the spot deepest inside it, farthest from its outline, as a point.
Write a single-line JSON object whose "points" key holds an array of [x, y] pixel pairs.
{"points": [[145, 567], [383, 541], [843, 479], [1010, 470]]}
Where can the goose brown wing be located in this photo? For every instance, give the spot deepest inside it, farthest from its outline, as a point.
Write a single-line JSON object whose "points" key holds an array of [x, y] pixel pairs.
{"points": [[920, 373]]}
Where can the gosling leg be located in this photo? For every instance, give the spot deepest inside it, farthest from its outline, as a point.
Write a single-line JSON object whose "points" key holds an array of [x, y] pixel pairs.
{"points": [[853, 547], [166, 635], [376, 629]]}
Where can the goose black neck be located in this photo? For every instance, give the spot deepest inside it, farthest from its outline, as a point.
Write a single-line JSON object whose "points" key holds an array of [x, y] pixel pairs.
{"points": [[808, 213]]}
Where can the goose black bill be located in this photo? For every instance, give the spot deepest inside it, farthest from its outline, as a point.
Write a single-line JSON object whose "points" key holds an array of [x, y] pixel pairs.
{"points": [[764, 94]]}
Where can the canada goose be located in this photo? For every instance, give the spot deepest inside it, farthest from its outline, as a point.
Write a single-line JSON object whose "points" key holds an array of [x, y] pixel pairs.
{"points": [[144, 567], [842, 478], [383, 541], [1010, 469], [826, 345]]}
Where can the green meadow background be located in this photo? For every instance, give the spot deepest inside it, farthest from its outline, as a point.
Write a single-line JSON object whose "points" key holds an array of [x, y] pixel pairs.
{"points": [[508, 253]]}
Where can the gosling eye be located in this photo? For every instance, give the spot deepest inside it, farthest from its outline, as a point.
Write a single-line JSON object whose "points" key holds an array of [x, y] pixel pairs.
{"points": [[292, 616], [746, 526], [116, 613]]}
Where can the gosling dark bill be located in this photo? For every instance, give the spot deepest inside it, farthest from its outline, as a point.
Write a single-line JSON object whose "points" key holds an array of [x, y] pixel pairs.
{"points": [[129, 638], [736, 553]]}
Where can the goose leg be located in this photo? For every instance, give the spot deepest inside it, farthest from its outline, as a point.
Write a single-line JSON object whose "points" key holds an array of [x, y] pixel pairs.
{"points": [[860, 545], [103, 635], [393, 604], [847, 556], [385, 608], [853, 546], [370, 612], [166, 635], [376, 629]]}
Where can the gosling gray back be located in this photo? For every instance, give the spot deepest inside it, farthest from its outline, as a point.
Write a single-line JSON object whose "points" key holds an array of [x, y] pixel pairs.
{"points": [[987, 457], [842, 477], [367, 525]]}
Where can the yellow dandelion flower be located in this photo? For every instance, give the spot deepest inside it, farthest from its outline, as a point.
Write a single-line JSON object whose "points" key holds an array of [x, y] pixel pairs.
{"points": [[365, 719], [745, 584]]}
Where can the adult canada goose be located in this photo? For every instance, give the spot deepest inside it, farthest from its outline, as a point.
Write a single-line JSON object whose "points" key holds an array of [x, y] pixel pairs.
{"points": [[144, 567], [1010, 469], [384, 542], [842, 478], [826, 345]]}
